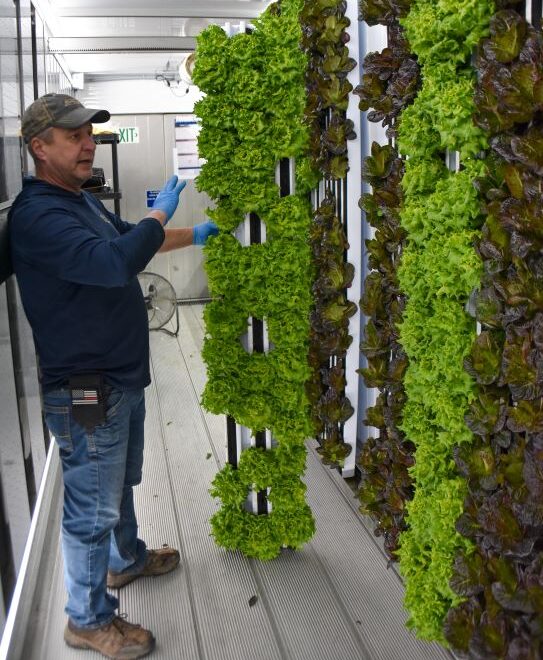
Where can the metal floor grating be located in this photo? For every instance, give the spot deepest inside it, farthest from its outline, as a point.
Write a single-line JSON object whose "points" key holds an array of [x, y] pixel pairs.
{"points": [[333, 600]]}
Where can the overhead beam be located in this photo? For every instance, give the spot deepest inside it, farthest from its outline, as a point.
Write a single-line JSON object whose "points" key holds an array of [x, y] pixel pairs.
{"points": [[67, 45], [204, 9]]}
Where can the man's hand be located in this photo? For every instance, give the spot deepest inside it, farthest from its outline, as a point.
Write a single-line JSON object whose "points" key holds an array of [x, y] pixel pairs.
{"points": [[201, 232], [168, 198]]}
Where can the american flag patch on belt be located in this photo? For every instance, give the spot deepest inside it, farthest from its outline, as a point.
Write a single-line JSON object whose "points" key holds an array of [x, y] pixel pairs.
{"points": [[84, 397]]}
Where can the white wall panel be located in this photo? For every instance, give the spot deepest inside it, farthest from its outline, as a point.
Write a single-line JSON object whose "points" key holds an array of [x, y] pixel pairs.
{"points": [[147, 165], [12, 469]]}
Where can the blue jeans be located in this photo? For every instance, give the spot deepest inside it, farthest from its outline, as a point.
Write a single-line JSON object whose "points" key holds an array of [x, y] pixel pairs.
{"points": [[99, 527]]}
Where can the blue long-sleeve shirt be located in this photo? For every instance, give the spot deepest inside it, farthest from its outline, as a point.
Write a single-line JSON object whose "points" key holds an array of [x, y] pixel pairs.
{"points": [[76, 265]]}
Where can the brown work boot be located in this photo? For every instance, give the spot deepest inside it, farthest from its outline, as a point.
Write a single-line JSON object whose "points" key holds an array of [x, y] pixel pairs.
{"points": [[158, 562], [118, 639]]}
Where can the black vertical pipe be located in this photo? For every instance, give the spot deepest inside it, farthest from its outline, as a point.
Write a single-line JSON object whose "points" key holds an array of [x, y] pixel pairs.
{"points": [[232, 446], [34, 41], [258, 324], [115, 165], [255, 233], [284, 177], [7, 564], [46, 434], [537, 8], [344, 218], [262, 502], [258, 335], [255, 236], [261, 496], [20, 64]]}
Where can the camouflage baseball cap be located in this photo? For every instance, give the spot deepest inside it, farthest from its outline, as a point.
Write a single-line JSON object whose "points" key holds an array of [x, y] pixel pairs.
{"points": [[59, 110]]}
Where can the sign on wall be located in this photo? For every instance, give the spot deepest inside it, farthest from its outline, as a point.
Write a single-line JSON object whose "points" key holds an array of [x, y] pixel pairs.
{"points": [[151, 195], [129, 135], [185, 153]]}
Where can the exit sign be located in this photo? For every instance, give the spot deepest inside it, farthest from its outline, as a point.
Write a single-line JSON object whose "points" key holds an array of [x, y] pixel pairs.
{"points": [[129, 135]]}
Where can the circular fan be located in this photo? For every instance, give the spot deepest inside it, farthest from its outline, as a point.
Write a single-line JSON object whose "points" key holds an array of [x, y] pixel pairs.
{"points": [[160, 299], [186, 68]]}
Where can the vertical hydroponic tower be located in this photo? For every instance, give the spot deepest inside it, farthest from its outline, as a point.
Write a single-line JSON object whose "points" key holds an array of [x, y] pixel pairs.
{"points": [[260, 277], [334, 161], [501, 579]]}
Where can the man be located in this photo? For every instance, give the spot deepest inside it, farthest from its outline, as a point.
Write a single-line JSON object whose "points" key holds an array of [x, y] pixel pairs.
{"points": [[76, 265]]}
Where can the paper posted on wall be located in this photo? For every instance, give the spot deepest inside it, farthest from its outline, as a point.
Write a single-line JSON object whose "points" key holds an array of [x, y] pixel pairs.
{"points": [[186, 160]]}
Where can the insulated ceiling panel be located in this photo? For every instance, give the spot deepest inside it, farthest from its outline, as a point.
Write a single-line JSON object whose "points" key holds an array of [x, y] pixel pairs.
{"points": [[187, 8], [124, 44], [135, 26], [132, 32]]}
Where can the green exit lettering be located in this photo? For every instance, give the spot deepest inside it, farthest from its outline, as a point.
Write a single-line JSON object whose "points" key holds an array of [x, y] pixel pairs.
{"points": [[129, 135]]}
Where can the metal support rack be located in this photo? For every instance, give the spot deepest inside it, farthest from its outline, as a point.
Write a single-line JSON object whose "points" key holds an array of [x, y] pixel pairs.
{"points": [[256, 340], [114, 193]]}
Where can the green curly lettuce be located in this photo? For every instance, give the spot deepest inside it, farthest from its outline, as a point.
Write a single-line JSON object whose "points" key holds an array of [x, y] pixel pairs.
{"points": [[442, 217], [446, 30], [440, 116], [251, 118]]}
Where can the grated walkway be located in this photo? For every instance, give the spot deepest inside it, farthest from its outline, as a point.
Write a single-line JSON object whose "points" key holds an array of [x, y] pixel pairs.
{"points": [[334, 600]]}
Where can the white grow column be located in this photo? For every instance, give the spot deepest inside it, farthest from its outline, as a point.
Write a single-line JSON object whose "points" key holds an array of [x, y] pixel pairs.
{"points": [[354, 236]]}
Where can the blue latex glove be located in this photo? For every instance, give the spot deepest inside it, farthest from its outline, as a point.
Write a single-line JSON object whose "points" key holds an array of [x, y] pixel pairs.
{"points": [[203, 231], [168, 198]]}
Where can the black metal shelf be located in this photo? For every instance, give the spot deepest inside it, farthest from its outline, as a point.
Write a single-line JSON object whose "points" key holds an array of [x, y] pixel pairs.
{"points": [[115, 194], [106, 195], [106, 138]]}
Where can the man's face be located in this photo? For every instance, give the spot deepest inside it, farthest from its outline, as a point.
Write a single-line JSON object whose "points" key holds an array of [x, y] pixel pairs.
{"points": [[67, 159]]}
